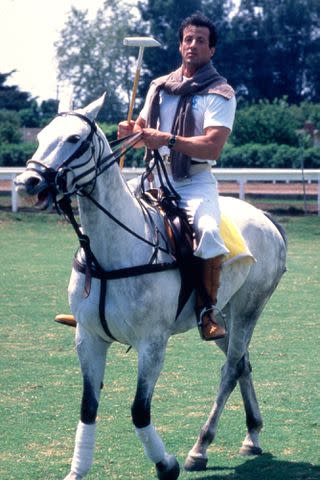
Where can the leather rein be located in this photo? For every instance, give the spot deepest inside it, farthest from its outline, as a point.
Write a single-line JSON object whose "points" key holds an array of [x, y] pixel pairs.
{"points": [[56, 180]]}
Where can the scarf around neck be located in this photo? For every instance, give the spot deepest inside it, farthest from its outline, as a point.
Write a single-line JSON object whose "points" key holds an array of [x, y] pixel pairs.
{"points": [[206, 80]]}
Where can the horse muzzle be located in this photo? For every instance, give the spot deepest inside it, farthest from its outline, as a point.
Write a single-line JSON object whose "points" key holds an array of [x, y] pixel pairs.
{"points": [[34, 186]]}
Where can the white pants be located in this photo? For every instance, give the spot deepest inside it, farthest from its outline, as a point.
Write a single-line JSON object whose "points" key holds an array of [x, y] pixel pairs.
{"points": [[199, 199]]}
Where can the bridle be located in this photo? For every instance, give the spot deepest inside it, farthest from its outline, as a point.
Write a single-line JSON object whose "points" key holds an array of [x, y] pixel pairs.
{"points": [[56, 182], [56, 178]]}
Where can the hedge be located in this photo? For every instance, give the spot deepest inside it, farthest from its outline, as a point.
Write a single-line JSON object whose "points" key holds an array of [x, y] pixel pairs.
{"points": [[252, 155], [16, 155]]}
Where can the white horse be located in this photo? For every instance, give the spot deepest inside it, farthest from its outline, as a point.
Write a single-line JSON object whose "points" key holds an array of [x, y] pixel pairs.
{"points": [[141, 310]]}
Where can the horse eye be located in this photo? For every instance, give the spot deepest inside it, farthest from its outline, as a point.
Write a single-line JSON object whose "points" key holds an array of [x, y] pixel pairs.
{"points": [[73, 139]]}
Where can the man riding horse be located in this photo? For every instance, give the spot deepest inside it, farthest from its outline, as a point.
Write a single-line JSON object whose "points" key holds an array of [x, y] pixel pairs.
{"points": [[188, 116]]}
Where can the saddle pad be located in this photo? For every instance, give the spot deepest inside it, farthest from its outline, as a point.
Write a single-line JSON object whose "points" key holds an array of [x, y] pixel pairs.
{"points": [[234, 242]]}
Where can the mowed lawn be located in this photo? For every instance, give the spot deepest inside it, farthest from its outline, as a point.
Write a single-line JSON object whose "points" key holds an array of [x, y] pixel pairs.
{"points": [[41, 383]]}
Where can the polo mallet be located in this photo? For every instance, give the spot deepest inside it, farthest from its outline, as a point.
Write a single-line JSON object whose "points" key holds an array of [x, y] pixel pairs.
{"points": [[142, 43]]}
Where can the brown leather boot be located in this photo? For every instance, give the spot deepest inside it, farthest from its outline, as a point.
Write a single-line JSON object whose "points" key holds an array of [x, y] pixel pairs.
{"points": [[66, 320], [208, 327]]}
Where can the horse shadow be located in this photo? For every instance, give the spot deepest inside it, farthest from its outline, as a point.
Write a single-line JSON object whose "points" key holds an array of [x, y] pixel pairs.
{"points": [[265, 467]]}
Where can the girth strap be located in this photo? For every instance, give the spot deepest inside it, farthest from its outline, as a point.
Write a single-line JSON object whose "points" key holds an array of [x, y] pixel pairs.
{"points": [[124, 272], [103, 276], [102, 308]]}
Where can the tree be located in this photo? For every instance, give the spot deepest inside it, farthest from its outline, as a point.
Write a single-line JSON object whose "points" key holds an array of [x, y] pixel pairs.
{"points": [[267, 49], [9, 127], [14, 100], [11, 98], [30, 117], [276, 49], [48, 110], [163, 18], [92, 57]]}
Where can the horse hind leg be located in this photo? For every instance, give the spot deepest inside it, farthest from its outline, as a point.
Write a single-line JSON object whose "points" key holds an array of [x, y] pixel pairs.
{"points": [[150, 363], [235, 348], [197, 458], [92, 355], [250, 445]]}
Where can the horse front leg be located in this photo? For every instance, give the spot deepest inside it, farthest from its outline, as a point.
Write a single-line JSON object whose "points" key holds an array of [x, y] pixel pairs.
{"points": [[151, 357], [92, 356]]}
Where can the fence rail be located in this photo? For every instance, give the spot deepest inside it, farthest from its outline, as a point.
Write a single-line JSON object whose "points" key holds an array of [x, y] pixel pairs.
{"points": [[239, 175]]}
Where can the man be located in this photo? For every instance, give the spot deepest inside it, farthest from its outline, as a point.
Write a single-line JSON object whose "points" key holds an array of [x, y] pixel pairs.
{"points": [[188, 116]]}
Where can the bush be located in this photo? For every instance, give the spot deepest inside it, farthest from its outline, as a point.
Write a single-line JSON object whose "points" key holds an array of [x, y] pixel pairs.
{"points": [[306, 111], [268, 156], [312, 157], [266, 123], [16, 155]]}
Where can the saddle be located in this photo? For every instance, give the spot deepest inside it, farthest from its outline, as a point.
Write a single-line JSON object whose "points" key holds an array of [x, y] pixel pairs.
{"points": [[177, 227], [182, 245], [180, 238]]}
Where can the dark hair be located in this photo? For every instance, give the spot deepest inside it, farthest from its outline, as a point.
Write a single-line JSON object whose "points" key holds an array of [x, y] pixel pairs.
{"points": [[197, 19]]}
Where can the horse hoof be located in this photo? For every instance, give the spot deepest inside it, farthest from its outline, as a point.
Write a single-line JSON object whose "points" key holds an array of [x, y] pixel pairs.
{"points": [[72, 476], [168, 468], [247, 450], [195, 464]]}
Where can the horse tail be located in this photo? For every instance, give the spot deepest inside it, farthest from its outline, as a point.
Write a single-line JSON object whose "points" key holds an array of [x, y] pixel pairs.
{"points": [[278, 226]]}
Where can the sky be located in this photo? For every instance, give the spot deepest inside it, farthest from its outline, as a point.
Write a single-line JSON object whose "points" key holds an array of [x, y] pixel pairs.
{"points": [[28, 30]]}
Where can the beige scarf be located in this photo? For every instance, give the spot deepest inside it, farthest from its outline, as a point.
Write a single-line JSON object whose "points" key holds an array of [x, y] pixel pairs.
{"points": [[205, 81]]}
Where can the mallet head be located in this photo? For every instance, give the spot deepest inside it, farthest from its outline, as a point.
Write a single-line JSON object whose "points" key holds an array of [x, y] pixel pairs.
{"points": [[141, 42]]}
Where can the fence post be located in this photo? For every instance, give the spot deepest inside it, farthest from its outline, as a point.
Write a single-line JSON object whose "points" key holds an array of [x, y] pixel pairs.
{"points": [[242, 182], [319, 195], [14, 195]]}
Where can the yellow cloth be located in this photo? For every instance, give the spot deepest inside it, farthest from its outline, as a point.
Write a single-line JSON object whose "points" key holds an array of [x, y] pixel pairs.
{"points": [[234, 241]]}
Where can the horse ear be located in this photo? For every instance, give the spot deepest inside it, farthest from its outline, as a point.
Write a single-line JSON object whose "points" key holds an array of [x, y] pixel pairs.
{"points": [[91, 111]]}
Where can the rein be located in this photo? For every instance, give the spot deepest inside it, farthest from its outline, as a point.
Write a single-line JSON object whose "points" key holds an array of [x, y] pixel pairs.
{"points": [[56, 180], [91, 268]]}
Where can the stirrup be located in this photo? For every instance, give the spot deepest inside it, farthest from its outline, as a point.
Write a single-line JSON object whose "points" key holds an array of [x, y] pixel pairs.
{"points": [[201, 312]]}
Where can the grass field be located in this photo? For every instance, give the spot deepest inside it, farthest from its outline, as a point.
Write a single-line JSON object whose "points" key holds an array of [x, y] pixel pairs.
{"points": [[41, 383]]}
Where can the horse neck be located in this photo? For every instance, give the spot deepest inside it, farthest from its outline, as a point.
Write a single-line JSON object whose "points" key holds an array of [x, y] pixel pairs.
{"points": [[110, 243]]}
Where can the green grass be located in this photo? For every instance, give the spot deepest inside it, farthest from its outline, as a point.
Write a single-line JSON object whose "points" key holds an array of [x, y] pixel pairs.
{"points": [[41, 383]]}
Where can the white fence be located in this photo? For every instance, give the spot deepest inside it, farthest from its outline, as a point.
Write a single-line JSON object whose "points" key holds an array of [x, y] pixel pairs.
{"points": [[239, 175]]}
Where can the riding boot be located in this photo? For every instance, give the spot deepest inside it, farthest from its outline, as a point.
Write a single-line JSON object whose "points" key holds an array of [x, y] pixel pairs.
{"points": [[66, 320], [207, 298]]}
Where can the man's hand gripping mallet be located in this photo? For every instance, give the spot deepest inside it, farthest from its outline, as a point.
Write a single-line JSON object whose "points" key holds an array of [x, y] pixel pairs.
{"points": [[142, 43]]}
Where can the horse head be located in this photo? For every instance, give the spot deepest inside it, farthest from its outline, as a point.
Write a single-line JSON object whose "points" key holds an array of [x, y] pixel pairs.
{"points": [[67, 157]]}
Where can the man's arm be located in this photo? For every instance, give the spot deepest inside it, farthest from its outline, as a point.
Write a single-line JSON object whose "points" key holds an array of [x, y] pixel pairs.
{"points": [[207, 146]]}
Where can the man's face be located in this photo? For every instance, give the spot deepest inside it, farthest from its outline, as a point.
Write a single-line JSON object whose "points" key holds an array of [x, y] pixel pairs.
{"points": [[194, 48]]}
